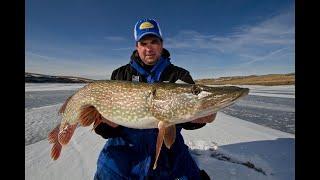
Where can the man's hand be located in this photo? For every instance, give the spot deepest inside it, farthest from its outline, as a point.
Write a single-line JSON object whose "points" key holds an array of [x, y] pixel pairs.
{"points": [[206, 119]]}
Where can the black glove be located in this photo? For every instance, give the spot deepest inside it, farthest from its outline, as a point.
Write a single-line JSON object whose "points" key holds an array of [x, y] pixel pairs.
{"points": [[107, 131], [204, 175], [192, 126]]}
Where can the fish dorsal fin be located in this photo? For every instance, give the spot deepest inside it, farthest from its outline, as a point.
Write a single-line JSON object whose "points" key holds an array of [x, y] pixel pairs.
{"points": [[170, 136], [88, 115]]}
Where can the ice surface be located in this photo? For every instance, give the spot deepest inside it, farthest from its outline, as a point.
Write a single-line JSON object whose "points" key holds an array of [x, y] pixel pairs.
{"points": [[228, 148]]}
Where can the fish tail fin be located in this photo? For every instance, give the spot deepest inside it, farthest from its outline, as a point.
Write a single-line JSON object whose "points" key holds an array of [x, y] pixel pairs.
{"points": [[53, 135], [56, 150], [63, 107], [66, 133], [53, 139]]}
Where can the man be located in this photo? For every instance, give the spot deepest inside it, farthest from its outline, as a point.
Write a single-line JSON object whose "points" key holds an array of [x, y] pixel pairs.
{"points": [[129, 153]]}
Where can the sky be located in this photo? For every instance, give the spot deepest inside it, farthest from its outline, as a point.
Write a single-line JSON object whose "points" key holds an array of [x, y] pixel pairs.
{"points": [[211, 39]]}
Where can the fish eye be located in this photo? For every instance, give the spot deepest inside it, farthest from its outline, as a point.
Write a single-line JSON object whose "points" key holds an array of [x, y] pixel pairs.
{"points": [[195, 90]]}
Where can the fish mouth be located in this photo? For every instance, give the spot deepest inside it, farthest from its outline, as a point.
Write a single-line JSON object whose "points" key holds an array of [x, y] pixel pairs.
{"points": [[213, 103], [244, 92]]}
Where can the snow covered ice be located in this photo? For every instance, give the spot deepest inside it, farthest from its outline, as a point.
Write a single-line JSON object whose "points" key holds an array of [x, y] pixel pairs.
{"points": [[250, 140]]}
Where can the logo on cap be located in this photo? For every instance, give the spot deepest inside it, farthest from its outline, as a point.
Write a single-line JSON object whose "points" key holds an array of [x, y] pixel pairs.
{"points": [[146, 25]]}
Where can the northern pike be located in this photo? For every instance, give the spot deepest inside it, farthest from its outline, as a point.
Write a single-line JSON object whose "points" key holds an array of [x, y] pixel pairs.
{"points": [[141, 106]]}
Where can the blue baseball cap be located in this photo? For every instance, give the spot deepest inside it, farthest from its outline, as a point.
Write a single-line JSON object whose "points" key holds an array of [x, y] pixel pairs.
{"points": [[146, 27]]}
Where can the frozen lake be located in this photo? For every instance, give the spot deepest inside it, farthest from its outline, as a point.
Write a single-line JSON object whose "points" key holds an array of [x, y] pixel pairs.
{"points": [[272, 107], [232, 147], [274, 112]]}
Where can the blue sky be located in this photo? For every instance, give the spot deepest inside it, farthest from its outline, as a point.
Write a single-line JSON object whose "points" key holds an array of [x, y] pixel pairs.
{"points": [[214, 38]]}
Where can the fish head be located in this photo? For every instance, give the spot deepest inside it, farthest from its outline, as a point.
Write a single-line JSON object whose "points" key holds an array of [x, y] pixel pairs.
{"points": [[213, 99], [186, 102]]}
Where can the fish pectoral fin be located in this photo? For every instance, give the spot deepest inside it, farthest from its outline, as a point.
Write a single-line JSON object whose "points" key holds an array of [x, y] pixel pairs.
{"points": [[170, 136], [66, 133], [161, 133]]}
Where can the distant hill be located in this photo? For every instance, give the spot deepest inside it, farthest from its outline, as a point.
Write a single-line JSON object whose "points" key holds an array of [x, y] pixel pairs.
{"points": [[267, 80], [42, 78]]}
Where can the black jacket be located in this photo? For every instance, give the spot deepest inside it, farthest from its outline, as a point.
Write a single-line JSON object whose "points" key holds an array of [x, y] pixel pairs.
{"points": [[171, 74]]}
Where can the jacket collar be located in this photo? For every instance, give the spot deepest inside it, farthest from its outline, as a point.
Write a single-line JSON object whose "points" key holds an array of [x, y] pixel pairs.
{"points": [[151, 73]]}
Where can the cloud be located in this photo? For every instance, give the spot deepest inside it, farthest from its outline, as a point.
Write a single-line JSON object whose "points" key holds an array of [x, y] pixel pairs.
{"points": [[250, 40], [260, 48], [261, 58], [41, 56], [277, 31], [123, 49], [98, 68], [114, 38]]}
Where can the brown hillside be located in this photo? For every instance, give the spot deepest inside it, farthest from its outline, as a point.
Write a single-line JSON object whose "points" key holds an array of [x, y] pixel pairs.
{"points": [[268, 80]]}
